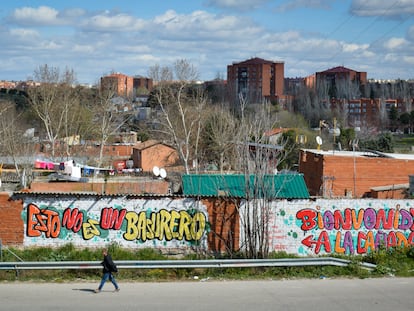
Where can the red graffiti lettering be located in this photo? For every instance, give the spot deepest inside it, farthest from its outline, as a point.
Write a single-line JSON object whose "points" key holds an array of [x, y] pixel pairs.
{"points": [[72, 219], [112, 218], [412, 214], [361, 247], [343, 221], [323, 241], [42, 221], [307, 216], [387, 221], [365, 242]]}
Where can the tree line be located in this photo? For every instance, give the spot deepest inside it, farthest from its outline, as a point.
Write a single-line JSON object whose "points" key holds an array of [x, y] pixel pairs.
{"points": [[208, 132]]}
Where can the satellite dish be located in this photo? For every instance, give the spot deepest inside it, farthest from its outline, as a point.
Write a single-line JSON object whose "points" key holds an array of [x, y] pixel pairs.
{"points": [[129, 164], [335, 132], [319, 140], [163, 173], [156, 170]]}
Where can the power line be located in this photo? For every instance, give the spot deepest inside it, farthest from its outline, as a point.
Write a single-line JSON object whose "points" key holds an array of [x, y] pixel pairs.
{"points": [[388, 9]]}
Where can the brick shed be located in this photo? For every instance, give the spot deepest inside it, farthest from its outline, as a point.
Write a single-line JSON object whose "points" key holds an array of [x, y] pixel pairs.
{"points": [[152, 153], [352, 174]]}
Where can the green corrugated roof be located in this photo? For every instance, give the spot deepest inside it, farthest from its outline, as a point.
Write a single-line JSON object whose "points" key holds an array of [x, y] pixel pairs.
{"points": [[280, 186]]}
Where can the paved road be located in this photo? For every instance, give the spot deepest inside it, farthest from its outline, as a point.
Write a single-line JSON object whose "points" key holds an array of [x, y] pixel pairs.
{"points": [[390, 294]]}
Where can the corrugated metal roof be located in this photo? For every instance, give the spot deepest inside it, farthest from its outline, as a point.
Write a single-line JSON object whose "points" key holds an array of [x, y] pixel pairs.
{"points": [[280, 186], [391, 187]]}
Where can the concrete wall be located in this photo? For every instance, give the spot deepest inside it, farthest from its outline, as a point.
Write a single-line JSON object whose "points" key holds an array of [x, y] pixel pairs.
{"points": [[302, 227], [178, 224], [340, 226]]}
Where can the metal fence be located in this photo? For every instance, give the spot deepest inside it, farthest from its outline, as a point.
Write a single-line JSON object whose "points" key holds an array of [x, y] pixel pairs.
{"points": [[174, 264]]}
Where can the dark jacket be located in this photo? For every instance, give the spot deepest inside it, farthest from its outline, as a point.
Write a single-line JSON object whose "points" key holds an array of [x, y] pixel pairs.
{"points": [[108, 264]]}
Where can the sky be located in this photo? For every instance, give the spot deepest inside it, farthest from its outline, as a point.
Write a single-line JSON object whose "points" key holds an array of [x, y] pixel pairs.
{"points": [[97, 37]]}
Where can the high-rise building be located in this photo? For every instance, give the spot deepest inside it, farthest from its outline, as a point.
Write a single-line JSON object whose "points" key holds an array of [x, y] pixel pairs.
{"points": [[143, 82], [255, 79], [122, 84]]}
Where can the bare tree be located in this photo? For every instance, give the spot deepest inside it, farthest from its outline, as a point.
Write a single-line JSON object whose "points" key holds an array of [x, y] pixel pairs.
{"points": [[14, 143], [218, 137], [258, 161], [181, 103], [46, 100], [71, 110], [107, 119]]}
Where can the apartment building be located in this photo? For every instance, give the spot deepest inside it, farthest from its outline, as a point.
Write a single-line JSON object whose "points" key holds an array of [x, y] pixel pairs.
{"points": [[122, 84], [142, 82], [368, 112], [339, 74], [255, 79]]}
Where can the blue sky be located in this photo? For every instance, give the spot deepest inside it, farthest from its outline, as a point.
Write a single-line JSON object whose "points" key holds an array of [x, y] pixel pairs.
{"points": [[96, 37]]}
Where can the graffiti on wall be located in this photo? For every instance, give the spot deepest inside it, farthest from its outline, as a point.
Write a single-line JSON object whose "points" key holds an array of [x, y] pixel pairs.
{"points": [[342, 226], [116, 223], [357, 230]]}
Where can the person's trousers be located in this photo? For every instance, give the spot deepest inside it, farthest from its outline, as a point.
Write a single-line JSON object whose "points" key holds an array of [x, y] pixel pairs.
{"points": [[108, 276]]}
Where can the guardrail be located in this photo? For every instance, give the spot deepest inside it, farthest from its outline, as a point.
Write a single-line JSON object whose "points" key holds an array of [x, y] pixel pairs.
{"points": [[174, 264]]}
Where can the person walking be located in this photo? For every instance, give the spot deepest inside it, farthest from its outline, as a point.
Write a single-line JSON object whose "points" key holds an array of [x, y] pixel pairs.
{"points": [[108, 268]]}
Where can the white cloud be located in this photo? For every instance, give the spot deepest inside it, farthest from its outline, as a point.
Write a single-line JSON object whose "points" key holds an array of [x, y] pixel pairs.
{"points": [[203, 25], [410, 33], [78, 48], [42, 15], [118, 22], [354, 48], [385, 8], [23, 33], [50, 45], [297, 4], [409, 59], [395, 43], [98, 42], [241, 5], [46, 16]]}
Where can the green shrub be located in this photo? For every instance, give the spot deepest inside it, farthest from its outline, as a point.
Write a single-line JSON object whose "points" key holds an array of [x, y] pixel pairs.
{"points": [[395, 261]]}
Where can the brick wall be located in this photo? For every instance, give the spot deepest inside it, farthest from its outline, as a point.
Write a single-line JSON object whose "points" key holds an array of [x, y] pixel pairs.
{"points": [[225, 225], [335, 175], [150, 186], [11, 223]]}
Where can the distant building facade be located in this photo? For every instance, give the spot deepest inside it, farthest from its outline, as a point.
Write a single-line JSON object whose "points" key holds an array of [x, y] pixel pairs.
{"points": [[255, 79], [341, 74], [122, 84], [152, 153], [126, 86], [142, 82], [356, 174]]}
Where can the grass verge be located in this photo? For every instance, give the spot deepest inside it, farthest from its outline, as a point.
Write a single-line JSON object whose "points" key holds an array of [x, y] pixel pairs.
{"points": [[390, 262]]}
